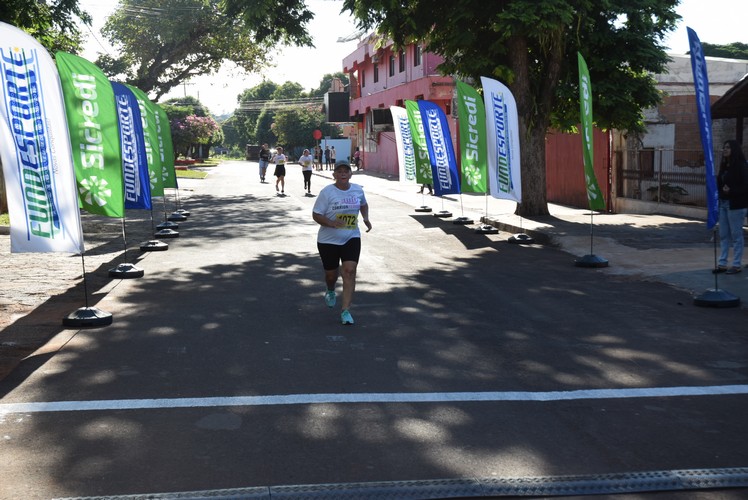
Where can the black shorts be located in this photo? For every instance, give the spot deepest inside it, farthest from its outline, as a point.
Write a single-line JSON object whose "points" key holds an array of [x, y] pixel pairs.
{"points": [[333, 255], [280, 171]]}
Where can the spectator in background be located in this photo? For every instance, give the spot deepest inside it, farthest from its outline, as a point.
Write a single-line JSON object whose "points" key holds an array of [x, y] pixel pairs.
{"points": [[732, 185], [357, 159], [264, 161], [318, 157], [327, 157]]}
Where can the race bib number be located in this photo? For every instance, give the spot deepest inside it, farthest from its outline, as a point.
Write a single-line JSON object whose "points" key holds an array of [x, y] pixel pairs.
{"points": [[349, 219]]}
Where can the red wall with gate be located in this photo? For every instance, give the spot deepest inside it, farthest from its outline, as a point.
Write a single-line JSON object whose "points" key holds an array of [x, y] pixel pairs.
{"points": [[565, 168]]}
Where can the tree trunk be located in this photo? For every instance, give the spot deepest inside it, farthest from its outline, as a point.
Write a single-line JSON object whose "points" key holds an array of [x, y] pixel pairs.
{"points": [[532, 158], [532, 127]]}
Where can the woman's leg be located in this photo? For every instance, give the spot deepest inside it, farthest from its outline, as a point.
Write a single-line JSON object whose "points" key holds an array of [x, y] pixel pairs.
{"points": [[736, 218], [724, 232], [348, 271]]}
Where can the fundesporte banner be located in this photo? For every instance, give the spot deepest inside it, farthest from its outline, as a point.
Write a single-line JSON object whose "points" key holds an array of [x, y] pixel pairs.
{"points": [[420, 151], [704, 110], [92, 125], [441, 151], [502, 129], [35, 149], [132, 143], [404, 139], [594, 195], [472, 118]]}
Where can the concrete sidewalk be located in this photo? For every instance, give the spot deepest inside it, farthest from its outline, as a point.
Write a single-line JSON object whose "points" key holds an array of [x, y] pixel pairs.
{"points": [[667, 249]]}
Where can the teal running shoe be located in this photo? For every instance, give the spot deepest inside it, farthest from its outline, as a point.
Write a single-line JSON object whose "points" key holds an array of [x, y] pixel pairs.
{"points": [[330, 298], [346, 318]]}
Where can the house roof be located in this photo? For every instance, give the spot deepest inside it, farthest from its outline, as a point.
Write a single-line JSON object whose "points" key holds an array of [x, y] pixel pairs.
{"points": [[734, 103]]}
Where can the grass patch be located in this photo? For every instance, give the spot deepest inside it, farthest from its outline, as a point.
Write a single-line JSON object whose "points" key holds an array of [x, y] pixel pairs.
{"points": [[4, 219], [191, 174]]}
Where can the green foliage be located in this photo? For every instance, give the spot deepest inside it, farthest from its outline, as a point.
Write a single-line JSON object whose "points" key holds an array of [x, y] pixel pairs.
{"points": [[294, 126], [289, 90], [192, 104], [324, 84], [166, 42], [54, 26], [264, 128], [734, 50]]}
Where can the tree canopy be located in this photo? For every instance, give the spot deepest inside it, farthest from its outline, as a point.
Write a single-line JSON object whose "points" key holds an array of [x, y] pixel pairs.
{"points": [[166, 42], [531, 46], [53, 25], [734, 50]]}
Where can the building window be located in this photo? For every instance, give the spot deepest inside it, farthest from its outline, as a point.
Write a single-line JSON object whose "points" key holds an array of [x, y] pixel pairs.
{"points": [[401, 56], [363, 78], [416, 55], [376, 73], [392, 65]]}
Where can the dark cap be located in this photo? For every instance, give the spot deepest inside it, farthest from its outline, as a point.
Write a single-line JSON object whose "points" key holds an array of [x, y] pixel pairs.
{"points": [[342, 165]]}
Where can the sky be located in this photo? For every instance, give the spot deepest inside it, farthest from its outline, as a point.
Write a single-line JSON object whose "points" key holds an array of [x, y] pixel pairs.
{"points": [[714, 21]]}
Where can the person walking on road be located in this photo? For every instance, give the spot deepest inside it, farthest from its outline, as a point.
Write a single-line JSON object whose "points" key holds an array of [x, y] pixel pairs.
{"points": [[307, 164], [264, 161], [339, 238], [732, 185], [332, 157], [280, 170]]}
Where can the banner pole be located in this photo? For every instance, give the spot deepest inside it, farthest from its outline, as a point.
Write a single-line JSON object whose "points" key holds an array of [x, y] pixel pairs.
{"points": [[125, 270], [462, 220]]}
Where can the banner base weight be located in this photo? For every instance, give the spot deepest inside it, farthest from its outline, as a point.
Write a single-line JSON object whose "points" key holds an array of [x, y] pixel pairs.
{"points": [[88, 316], [716, 298]]}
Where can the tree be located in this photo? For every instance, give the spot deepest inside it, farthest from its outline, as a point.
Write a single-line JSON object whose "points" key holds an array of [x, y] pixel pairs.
{"points": [[734, 50], [54, 26], [193, 131], [169, 41], [264, 128], [324, 84], [531, 46], [250, 104], [295, 125], [189, 103]]}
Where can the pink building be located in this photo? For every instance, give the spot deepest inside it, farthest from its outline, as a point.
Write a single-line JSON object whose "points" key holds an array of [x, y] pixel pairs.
{"points": [[386, 76]]}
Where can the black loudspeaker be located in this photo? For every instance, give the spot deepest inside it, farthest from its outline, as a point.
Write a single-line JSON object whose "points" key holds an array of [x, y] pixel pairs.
{"points": [[336, 107]]}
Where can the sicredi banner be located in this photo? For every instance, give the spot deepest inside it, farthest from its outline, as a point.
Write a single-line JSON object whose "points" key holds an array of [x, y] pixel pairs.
{"points": [[405, 153], [132, 143], [35, 149], [166, 144], [594, 195], [473, 153], [441, 151], [420, 151], [502, 129], [94, 137], [153, 146]]}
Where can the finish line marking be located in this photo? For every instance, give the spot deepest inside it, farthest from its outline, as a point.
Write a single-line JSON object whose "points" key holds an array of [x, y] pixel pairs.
{"points": [[398, 397]]}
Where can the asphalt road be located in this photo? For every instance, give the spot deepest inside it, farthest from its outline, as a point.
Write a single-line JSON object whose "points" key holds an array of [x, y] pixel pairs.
{"points": [[470, 358]]}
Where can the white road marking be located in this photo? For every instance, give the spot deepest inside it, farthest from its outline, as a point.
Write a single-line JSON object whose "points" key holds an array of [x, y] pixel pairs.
{"points": [[401, 397]]}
